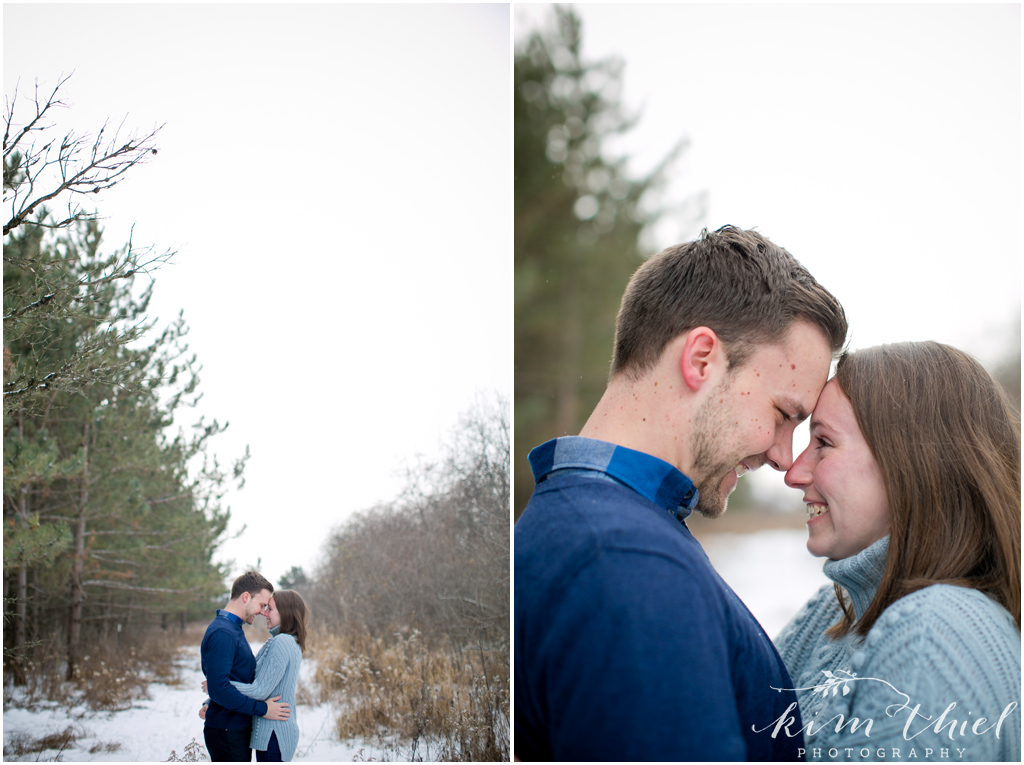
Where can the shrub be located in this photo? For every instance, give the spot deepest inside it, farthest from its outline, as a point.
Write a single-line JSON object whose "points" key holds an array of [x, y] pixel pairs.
{"points": [[193, 753], [415, 700]]}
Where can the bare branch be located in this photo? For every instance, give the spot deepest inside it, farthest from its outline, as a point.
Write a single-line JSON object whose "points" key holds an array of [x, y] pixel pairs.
{"points": [[51, 101], [45, 299], [74, 165], [133, 588]]}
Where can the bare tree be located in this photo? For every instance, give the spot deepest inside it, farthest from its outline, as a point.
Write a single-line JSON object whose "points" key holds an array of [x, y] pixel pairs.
{"points": [[40, 169], [52, 271], [437, 559]]}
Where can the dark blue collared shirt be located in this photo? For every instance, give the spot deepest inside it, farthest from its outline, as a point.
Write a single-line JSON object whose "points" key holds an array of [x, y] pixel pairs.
{"points": [[628, 645], [225, 655]]}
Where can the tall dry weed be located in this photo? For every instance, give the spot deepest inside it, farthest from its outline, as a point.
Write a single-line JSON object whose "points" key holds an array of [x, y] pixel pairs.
{"points": [[417, 701]]}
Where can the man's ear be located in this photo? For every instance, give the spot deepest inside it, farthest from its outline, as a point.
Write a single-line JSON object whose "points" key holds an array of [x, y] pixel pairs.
{"points": [[702, 352], [246, 597]]}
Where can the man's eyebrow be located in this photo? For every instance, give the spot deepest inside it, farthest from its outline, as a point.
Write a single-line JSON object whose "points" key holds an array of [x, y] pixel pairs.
{"points": [[799, 413]]}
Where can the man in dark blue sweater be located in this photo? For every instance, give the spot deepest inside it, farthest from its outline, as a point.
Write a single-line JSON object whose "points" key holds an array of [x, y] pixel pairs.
{"points": [[226, 656], [628, 645]]}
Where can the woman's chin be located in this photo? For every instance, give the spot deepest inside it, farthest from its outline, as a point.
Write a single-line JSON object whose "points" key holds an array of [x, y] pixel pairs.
{"points": [[817, 547], [815, 553]]}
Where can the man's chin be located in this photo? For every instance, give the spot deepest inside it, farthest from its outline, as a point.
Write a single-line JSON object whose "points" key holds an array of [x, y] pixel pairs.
{"points": [[713, 512], [716, 510]]}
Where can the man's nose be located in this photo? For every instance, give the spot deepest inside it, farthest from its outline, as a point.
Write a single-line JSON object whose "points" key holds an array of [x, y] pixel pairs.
{"points": [[780, 455]]}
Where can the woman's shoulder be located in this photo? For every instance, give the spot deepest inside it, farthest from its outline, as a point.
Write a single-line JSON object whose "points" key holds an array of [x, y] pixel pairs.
{"points": [[951, 608], [284, 643], [947, 625], [945, 643]]}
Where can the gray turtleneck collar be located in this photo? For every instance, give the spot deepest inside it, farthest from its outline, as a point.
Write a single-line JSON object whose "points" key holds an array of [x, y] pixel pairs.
{"points": [[860, 574]]}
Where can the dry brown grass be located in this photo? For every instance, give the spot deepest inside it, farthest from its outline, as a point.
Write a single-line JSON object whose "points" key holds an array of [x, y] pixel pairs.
{"points": [[416, 701], [110, 676], [20, 744]]}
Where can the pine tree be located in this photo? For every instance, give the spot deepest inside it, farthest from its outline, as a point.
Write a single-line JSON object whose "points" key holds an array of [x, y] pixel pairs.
{"points": [[578, 223], [107, 516]]}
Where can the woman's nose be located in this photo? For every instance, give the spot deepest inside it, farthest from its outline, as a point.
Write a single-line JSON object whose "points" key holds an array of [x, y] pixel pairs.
{"points": [[800, 473]]}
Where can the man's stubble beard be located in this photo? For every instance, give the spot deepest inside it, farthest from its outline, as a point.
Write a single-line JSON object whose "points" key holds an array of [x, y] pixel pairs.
{"points": [[708, 469]]}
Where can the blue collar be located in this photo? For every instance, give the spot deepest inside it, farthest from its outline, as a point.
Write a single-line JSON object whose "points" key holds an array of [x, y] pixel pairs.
{"points": [[230, 617], [653, 478]]}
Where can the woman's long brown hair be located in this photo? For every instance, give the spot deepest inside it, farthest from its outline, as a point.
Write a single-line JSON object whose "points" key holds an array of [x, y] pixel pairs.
{"points": [[947, 440], [292, 608]]}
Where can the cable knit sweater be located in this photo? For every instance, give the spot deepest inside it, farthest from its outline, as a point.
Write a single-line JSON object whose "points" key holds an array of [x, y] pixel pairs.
{"points": [[277, 674], [934, 664]]}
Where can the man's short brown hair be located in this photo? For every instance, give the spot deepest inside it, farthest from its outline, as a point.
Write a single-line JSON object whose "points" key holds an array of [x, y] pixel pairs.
{"points": [[251, 582], [746, 289]]}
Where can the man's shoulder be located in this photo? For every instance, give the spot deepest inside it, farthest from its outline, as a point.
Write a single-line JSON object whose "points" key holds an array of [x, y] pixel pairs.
{"points": [[575, 506], [217, 624], [578, 523], [220, 631], [212, 627]]}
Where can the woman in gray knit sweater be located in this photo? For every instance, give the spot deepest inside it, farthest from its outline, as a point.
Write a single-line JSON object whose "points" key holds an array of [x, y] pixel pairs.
{"points": [[277, 674], [912, 487]]}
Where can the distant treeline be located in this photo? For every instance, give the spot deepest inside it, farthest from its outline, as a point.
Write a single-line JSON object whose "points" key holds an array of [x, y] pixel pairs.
{"points": [[410, 606], [437, 558]]}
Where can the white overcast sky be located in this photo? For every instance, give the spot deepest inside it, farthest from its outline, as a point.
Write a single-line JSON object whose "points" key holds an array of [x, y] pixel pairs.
{"points": [[336, 181], [880, 144]]}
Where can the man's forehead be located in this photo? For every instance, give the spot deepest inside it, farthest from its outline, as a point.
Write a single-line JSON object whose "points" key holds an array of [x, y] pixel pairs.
{"points": [[794, 383]]}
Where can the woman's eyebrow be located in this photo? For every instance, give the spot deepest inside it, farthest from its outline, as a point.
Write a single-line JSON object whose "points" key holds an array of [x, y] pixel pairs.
{"points": [[817, 424]]}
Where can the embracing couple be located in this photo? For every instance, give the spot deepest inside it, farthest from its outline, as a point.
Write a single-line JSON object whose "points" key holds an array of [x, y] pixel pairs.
{"points": [[629, 646], [251, 702]]}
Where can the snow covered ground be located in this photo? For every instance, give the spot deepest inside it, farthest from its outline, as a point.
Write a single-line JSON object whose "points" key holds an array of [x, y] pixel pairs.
{"points": [[770, 570], [168, 721]]}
